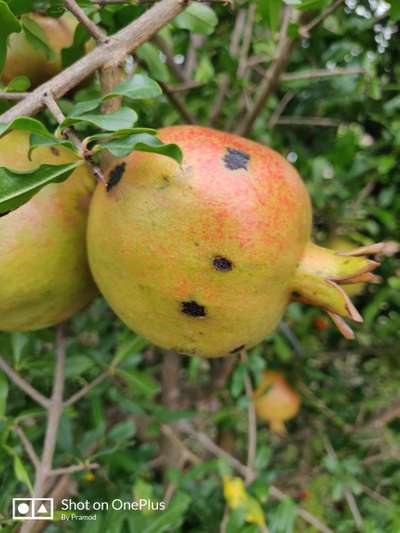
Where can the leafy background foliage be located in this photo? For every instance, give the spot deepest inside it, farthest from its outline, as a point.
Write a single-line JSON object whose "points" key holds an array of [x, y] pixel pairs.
{"points": [[331, 449]]}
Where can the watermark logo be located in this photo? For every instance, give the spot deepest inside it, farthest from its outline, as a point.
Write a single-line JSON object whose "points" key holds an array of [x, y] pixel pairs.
{"points": [[32, 509]]}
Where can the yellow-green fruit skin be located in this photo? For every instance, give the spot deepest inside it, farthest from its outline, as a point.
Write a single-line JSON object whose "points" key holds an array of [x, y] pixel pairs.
{"points": [[44, 273], [157, 237], [23, 59], [344, 245]]}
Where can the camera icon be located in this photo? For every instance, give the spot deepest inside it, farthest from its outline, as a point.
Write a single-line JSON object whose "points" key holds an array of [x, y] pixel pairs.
{"points": [[32, 508]]}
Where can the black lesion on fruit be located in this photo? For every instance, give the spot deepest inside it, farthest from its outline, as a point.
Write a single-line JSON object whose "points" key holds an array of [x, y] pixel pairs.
{"points": [[222, 263], [236, 350], [296, 294], [235, 159], [55, 151], [115, 176], [194, 309]]}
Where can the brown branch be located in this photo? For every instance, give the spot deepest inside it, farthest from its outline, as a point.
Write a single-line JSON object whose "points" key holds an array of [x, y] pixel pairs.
{"points": [[305, 30], [177, 101], [309, 121], [67, 470], [4, 95], [196, 41], [86, 389], [115, 48], [271, 79], [323, 73], [205, 441], [81, 16], [170, 395], [21, 383], [53, 420], [169, 57], [50, 102], [27, 445], [246, 42], [252, 424], [280, 108]]}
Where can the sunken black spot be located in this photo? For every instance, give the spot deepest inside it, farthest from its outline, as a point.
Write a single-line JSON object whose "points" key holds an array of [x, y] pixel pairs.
{"points": [[222, 264], [115, 176], [296, 294], [235, 350], [55, 151], [192, 308], [235, 159]]}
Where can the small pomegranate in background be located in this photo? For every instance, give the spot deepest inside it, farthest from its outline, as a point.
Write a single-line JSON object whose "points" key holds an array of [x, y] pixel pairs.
{"points": [[320, 323], [275, 400]]}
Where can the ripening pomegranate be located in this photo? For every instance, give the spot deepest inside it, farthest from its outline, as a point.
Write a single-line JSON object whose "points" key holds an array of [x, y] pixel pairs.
{"points": [[24, 59], [203, 258], [44, 275], [275, 401]]}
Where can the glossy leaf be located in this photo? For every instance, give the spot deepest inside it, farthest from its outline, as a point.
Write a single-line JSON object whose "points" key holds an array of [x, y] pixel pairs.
{"points": [[9, 25], [198, 18]]}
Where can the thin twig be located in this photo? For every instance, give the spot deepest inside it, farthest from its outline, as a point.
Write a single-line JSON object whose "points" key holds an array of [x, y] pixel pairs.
{"points": [[246, 42], [53, 420], [169, 58], [305, 30], [72, 469], [252, 423], [27, 445], [170, 376], [280, 108], [310, 121], [24, 385], [271, 79], [177, 101], [196, 42], [276, 493], [116, 48], [324, 73], [81, 16], [86, 389], [55, 110], [4, 95]]}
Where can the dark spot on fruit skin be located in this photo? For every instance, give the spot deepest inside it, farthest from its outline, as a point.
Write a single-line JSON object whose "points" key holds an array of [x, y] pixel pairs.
{"points": [[236, 350], [54, 150], [235, 159], [115, 176], [222, 263], [194, 309], [296, 294]]}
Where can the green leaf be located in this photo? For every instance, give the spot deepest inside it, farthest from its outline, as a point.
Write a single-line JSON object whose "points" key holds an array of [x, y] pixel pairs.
{"points": [[9, 25], [122, 118], [36, 37], [77, 49], [19, 7], [18, 84], [122, 431], [25, 124], [140, 381], [77, 365], [3, 393], [21, 474], [144, 142], [394, 9], [138, 87], [197, 18], [18, 187], [56, 8], [271, 12], [151, 55]]}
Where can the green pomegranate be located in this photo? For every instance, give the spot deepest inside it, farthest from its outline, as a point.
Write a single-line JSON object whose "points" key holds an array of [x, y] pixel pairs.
{"points": [[44, 275], [203, 258], [23, 59]]}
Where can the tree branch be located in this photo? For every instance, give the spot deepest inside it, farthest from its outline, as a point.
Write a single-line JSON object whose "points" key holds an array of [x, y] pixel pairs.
{"points": [[4, 95], [272, 76], [323, 73], [24, 385], [27, 445], [114, 49], [305, 30], [87, 388], [252, 424], [81, 16], [64, 471]]}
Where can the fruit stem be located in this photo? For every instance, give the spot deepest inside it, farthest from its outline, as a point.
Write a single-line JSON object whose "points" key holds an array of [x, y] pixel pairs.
{"points": [[319, 277]]}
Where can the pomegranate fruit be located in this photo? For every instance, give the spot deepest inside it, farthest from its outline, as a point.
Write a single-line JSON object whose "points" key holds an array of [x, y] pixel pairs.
{"points": [[203, 258], [44, 274], [24, 59], [275, 401]]}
